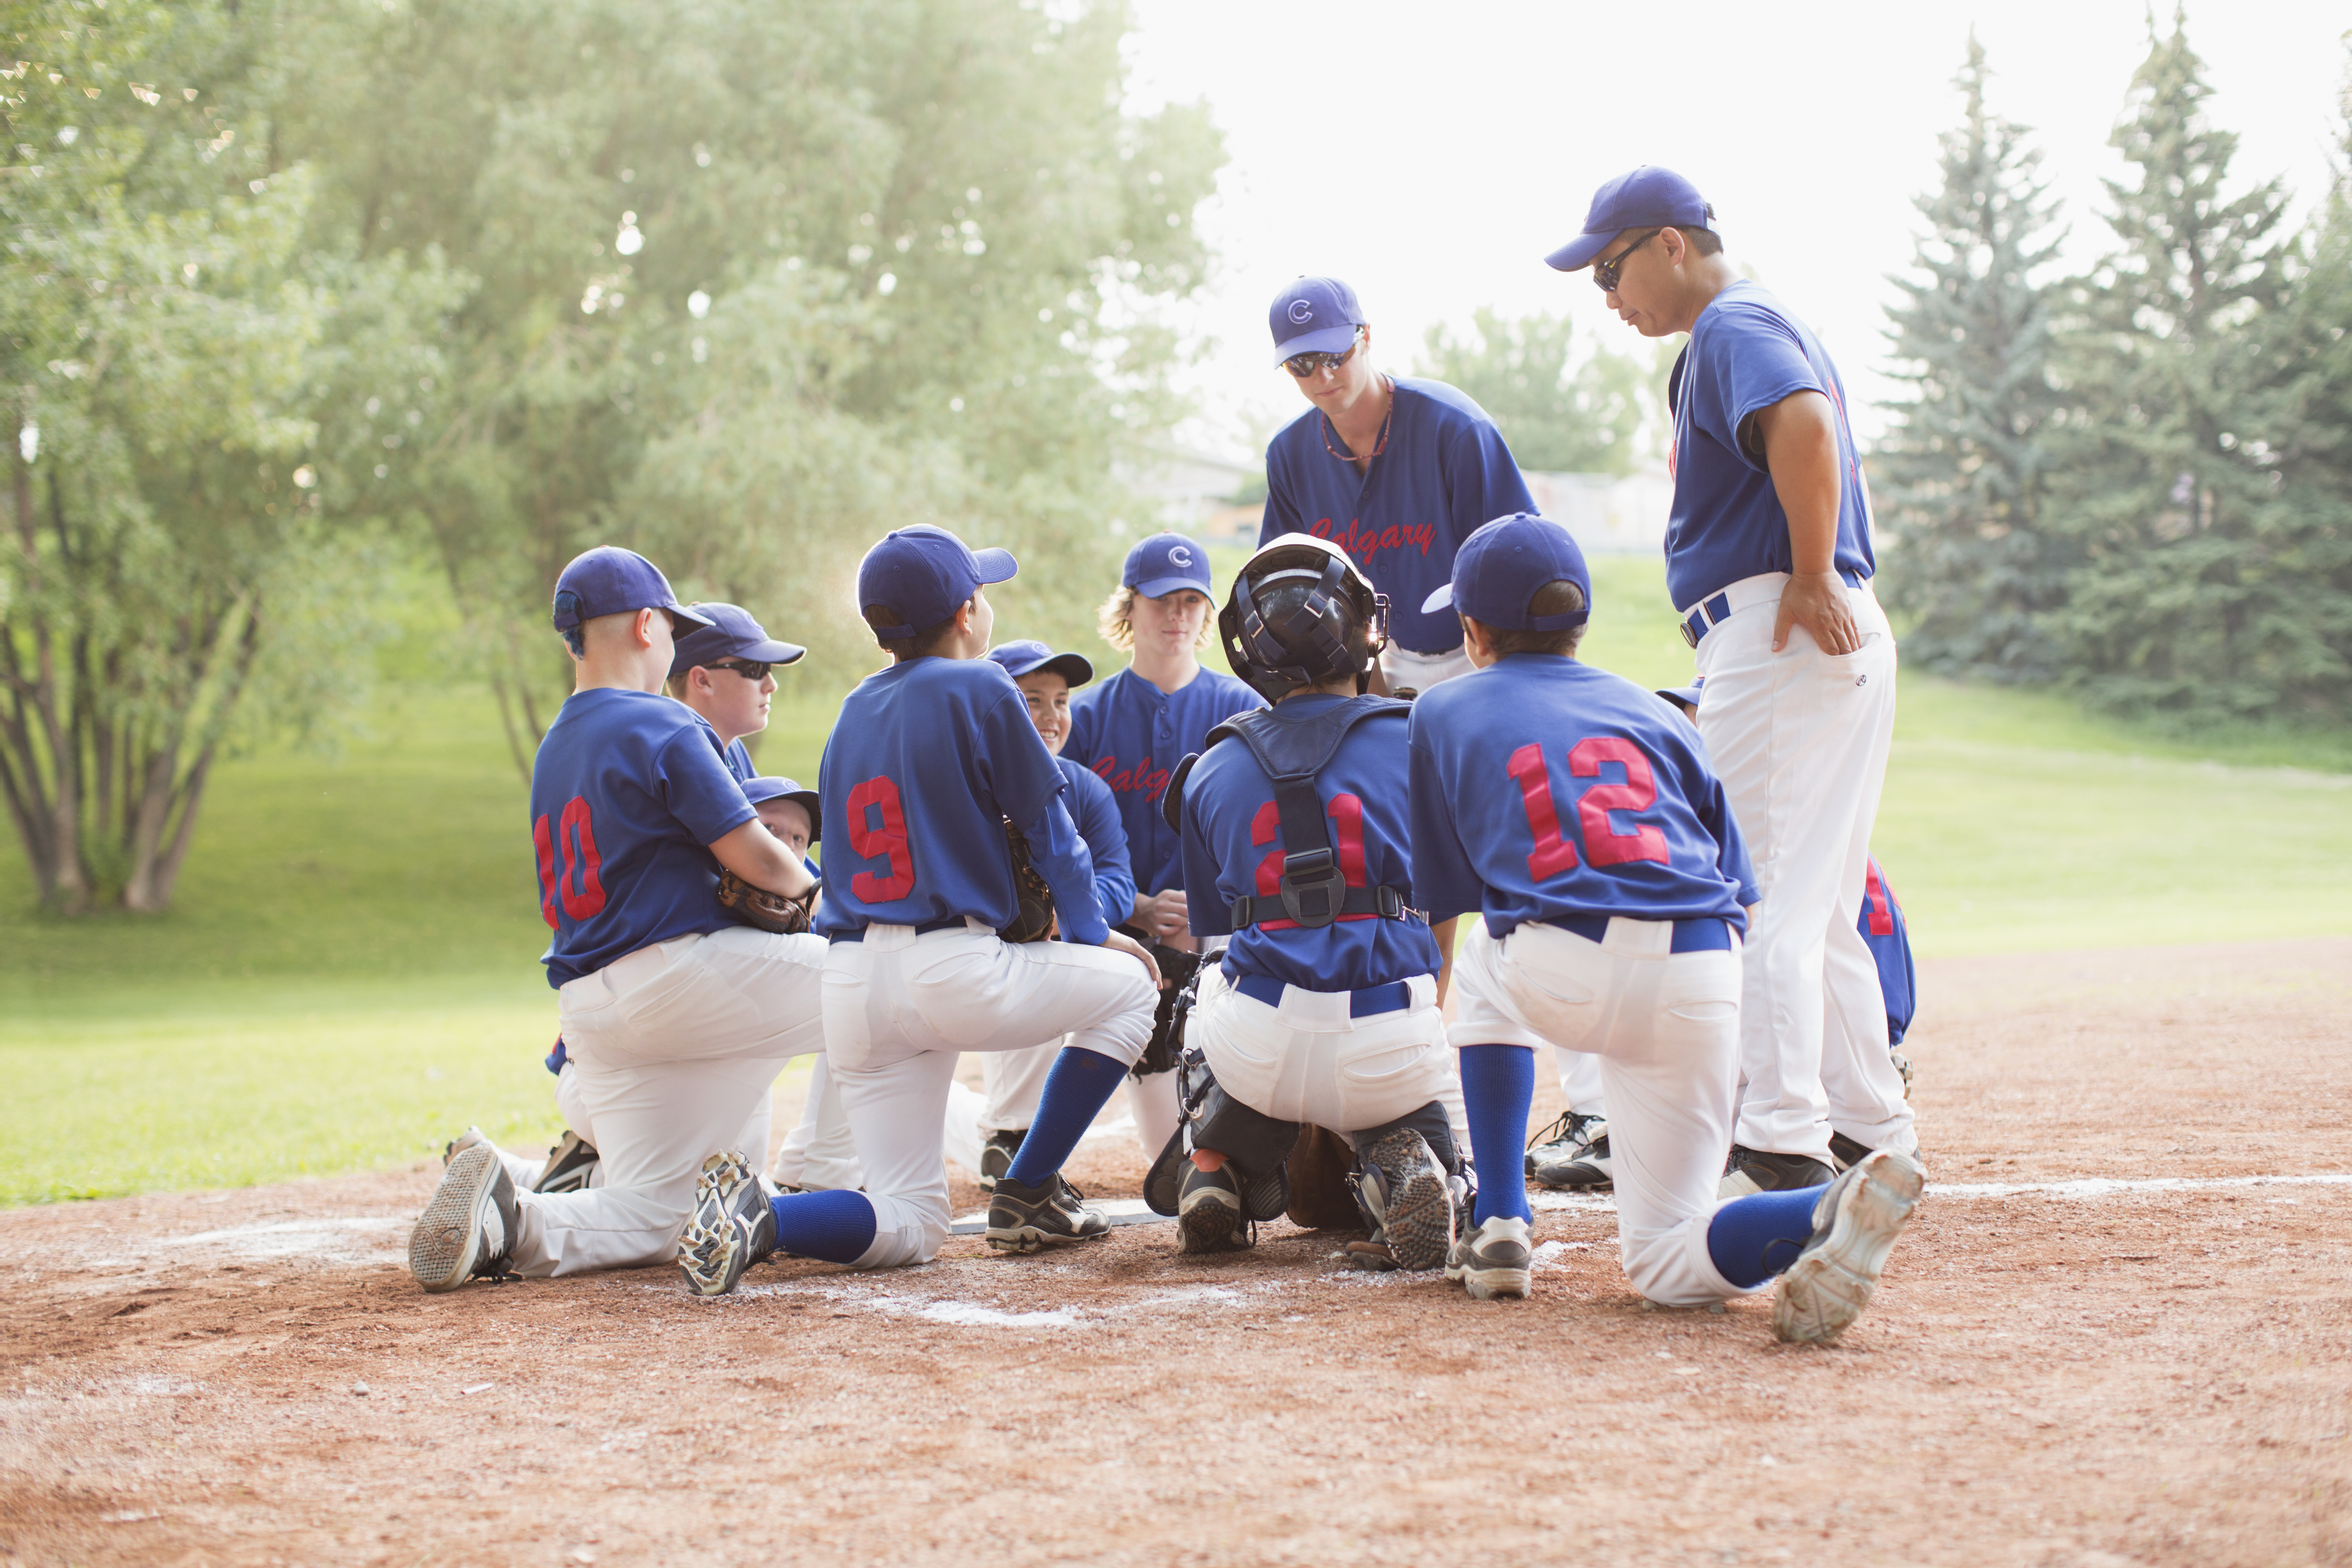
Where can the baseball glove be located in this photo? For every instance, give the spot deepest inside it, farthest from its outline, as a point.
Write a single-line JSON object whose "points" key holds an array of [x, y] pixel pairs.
{"points": [[1167, 1043], [1319, 1196], [1033, 919], [758, 907]]}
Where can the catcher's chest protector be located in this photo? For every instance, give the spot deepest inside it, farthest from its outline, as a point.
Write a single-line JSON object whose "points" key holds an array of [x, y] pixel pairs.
{"points": [[1292, 750]]}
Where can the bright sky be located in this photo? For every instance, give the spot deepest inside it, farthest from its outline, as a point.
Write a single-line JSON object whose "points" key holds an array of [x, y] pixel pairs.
{"points": [[1431, 154]]}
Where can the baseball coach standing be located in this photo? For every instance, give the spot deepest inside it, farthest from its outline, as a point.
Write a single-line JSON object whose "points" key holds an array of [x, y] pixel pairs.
{"points": [[1768, 561]]}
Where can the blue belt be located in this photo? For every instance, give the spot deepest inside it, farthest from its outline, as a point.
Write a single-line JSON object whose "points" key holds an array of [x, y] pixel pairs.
{"points": [[924, 930], [1710, 934], [1364, 1004], [1715, 607]]}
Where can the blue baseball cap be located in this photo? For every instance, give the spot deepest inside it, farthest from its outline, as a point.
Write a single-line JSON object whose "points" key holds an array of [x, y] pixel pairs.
{"points": [[1165, 563], [773, 788], [732, 634], [1029, 655], [925, 573], [1314, 315], [1685, 695], [611, 580], [1649, 197], [1498, 569]]}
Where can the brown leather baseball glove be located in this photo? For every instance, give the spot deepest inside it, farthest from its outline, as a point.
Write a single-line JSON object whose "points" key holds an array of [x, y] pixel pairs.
{"points": [[758, 907], [1034, 919], [1318, 1166]]}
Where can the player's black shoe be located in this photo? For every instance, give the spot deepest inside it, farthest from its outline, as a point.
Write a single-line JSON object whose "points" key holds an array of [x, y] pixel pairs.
{"points": [[468, 1230], [996, 1155], [1847, 1152], [1752, 1170], [1583, 1166], [1493, 1261], [1023, 1218], [1403, 1192], [734, 1226], [1210, 1216], [569, 1165], [1555, 1140], [1855, 1226]]}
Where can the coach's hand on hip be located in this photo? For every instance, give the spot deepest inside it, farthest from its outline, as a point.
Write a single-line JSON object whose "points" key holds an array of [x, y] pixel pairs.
{"points": [[1798, 436]]}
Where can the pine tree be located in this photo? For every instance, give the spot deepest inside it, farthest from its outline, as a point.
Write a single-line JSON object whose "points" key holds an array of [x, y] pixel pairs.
{"points": [[2166, 481], [1963, 460]]}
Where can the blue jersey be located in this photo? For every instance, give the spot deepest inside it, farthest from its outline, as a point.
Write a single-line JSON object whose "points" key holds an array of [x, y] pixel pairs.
{"points": [[627, 793], [1234, 847], [1882, 927], [1445, 474], [926, 760], [1543, 787], [1744, 355], [1096, 813], [1131, 735], [739, 761]]}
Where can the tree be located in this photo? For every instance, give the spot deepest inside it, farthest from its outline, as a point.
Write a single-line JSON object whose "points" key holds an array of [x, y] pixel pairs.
{"points": [[1555, 420], [1965, 456], [2189, 596]]}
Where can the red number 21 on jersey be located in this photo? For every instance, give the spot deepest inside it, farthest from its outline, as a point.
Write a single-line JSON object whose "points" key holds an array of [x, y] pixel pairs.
{"points": [[887, 841], [1604, 845]]}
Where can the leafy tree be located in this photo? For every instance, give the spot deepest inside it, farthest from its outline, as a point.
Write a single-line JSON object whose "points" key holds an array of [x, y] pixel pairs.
{"points": [[1555, 420], [2190, 595], [1964, 458]]}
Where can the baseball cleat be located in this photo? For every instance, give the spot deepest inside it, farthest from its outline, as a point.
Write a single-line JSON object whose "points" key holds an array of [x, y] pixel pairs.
{"points": [[468, 1229], [1404, 1190], [1847, 1152], [1555, 1140], [1582, 1165], [569, 1165], [996, 1155], [1209, 1213], [1024, 1218], [1854, 1228], [1495, 1261], [466, 1140], [1752, 1170], [734, 1226], [1902, 1065]]}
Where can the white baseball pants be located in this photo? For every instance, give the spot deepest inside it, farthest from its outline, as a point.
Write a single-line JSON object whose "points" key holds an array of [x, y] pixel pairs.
{"points": [[818, 1153], [1580, 1080], [1665, 1029], [672, 1051], [1800, 740], [1306, 1060], [1410, 671], [898, 1007]]}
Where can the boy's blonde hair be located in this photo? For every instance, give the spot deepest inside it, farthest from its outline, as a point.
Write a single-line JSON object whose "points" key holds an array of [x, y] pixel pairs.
{"points": [[1115, 620]]}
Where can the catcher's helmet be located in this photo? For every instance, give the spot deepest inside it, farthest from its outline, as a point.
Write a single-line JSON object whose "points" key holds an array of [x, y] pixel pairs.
{"points": [[1295, 609]]}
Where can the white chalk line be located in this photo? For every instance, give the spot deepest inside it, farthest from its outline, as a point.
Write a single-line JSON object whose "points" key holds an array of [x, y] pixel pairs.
{"points": [[2084, 1188]]}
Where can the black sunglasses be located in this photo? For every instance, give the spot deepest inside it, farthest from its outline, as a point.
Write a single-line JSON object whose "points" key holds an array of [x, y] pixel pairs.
{"points": [[748, 668], [1304, 366], [1605, 273]]}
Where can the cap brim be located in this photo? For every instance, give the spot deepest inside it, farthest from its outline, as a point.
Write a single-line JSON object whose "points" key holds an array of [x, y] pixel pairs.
{"points": [[1322, 341], [771, 652], [1688, 695], [1441, 600], [1073, 667], [995, 566], [807, 797], [688, 616], [1160, 587], [1579, 252]]}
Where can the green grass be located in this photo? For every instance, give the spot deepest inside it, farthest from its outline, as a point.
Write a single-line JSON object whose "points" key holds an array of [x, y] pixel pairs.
{"points": [[349, 974]]}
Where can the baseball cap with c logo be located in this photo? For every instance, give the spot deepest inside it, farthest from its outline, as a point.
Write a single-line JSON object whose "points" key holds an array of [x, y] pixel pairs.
{"points": [[1165, 563], [1314, 315]]}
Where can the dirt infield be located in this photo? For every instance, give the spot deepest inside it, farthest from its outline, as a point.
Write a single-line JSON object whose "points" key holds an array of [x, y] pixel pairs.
{"points": [[2086, 1374]]}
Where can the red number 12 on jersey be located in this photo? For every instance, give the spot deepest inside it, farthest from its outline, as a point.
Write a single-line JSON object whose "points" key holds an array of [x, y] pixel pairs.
{"points": [[1604, 845]]}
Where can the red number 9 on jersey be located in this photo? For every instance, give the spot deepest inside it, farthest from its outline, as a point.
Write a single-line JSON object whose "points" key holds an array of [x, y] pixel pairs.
{"points": [[887, 842]]}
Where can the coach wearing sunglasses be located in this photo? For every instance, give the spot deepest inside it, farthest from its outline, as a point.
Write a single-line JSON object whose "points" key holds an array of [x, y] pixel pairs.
{"points": [[1769, 562], [721, 671], [1396, 471]]}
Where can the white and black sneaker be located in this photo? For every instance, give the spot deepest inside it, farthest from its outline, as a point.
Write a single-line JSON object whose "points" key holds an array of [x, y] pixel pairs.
{"points": [[1210, 1216], [1855, 1226], [1582, 1166], [1495, 1261], [467, 1231], [1404, 1192], [569, 1166], [734, 1226], [1023, 1218], [996, 1155], [1556, 1140]]}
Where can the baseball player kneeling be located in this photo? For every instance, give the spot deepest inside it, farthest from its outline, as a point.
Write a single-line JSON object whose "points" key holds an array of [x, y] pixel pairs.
{"points": [[930, 769], [1582, 819], [1324, 1009], [675, 1017]]}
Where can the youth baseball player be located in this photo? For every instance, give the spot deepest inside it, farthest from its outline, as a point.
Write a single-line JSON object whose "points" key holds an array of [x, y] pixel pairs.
{"points": [[1582, 819], [1396, 471], [930, 759], [1324, 1008], [676, 1018], [1768, 561], [1132, 730]]}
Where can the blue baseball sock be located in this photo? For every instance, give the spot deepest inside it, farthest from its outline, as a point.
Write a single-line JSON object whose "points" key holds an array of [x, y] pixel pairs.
{"points": [[1498, 1084], [1080, 1084], [832, 1227], [1751, 1239]]}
